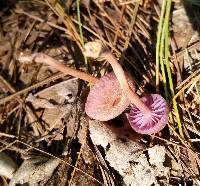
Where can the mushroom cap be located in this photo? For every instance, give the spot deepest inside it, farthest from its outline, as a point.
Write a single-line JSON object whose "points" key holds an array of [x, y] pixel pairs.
{"points": [[154, 122], [106, 100]]}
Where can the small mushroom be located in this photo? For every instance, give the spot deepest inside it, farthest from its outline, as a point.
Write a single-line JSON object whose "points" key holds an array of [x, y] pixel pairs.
{"points": [[106, 99], [149, 114]]}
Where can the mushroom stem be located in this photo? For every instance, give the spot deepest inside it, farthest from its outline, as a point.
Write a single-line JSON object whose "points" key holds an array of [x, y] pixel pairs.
{"points": [[97, 50], [119, 72], [43, 58]]}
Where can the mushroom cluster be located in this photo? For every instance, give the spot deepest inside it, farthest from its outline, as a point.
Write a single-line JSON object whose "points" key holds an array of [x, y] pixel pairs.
{"points": [[148, 114], [112, 93]]}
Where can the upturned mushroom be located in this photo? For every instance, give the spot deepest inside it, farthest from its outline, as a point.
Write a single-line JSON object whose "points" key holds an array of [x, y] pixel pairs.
{"points": [[150, 124], [149, 114]]}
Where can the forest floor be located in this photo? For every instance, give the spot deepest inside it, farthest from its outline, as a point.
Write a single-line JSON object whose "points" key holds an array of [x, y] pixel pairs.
{"points": [[46, 138]]}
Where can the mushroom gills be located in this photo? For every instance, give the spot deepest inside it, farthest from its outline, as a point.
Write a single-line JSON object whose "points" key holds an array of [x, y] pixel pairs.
{"points": [[153, 123]]}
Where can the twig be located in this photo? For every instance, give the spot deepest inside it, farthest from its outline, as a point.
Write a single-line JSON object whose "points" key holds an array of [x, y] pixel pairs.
{"points": [[26, 90], [7, 135]]}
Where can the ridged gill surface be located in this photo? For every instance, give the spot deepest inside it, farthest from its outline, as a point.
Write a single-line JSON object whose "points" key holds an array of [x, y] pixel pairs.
{"points": [[154, 122], [106, 99]]}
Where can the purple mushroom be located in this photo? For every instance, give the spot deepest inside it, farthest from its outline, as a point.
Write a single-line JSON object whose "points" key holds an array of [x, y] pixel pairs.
{"points": [[107, 100]]}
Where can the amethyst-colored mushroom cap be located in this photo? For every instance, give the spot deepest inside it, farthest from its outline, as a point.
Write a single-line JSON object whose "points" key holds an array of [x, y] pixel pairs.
{"points": [[106, 100], [153, 122]]}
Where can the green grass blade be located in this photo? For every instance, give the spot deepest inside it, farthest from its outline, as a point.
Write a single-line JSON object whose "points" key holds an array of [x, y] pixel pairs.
{"points": [[162, 45], [158, 45], [80, 28], [79, 20], [171, 86]]}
